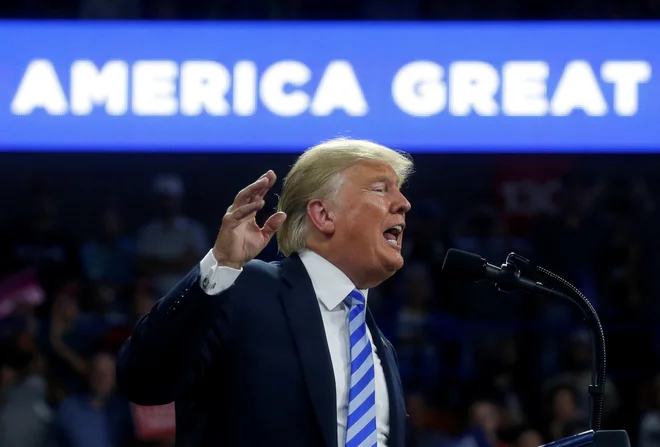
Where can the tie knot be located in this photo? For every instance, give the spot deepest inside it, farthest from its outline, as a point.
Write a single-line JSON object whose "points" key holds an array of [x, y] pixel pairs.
{"points": [[355, 298]]}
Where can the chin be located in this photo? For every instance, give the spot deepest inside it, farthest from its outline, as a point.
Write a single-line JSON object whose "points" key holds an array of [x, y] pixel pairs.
{"points": [[394, 263]]}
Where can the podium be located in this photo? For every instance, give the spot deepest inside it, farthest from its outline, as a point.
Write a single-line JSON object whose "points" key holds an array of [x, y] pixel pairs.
{"points": [[601, 438]]}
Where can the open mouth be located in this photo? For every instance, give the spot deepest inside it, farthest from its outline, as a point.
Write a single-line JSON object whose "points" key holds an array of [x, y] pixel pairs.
{"points": [[392, 234]]}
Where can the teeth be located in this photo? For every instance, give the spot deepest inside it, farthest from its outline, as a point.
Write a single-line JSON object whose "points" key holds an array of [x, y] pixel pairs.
{"points": [[397, 228], [393, 241]]}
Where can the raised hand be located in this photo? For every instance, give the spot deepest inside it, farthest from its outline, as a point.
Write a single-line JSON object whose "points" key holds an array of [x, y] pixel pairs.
{"points": [[240, 239]]}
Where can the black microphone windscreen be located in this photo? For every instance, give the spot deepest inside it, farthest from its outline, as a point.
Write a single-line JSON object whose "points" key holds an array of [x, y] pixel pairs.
{"points": [[463, 265]]}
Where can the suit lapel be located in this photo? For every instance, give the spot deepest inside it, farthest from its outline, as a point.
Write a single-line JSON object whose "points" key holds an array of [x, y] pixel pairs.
{"points": [[394, 389], [304, 316]]}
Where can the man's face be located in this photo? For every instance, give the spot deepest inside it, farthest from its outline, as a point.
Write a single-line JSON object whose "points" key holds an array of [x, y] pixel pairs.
{"points": [[369, 220], [530, 438], [485, 415]]}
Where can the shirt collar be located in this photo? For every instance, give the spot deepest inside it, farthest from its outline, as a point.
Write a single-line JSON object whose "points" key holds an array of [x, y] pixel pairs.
{"points": [[331, 285]]}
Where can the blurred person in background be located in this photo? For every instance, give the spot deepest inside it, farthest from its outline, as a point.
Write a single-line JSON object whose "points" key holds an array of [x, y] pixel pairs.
{"points": [[562, 403], [25, 415], [623, 286], [577, 373], [649, 425], [110, 256], [97, 417], [171, 243], [576, 226], [418, 357], [526, 436], [484, 425], [39, 239], [502, 380], [619, 256], [481, 229], [142, 300], [71, 338], [109, 266], [422, 433]]}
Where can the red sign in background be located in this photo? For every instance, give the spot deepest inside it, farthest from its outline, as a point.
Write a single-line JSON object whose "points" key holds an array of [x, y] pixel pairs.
{"points": [[154, 423], [527, 187]]}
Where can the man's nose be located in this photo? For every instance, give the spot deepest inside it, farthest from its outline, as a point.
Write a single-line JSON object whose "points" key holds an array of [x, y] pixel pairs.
{"points": [[401, 204]]}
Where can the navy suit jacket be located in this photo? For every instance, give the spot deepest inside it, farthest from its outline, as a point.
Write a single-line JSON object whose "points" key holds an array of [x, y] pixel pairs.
{"points": [[248, 367]]}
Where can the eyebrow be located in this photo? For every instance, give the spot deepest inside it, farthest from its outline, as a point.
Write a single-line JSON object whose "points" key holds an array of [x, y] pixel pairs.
{"points": [[386, 180], [382, 179]]}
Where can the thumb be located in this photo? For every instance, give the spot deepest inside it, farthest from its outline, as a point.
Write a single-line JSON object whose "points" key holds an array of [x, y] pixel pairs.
{"points": [[273, 224]]}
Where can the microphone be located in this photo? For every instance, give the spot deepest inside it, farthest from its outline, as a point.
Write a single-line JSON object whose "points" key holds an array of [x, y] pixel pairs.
{"points": [[470, 267]]}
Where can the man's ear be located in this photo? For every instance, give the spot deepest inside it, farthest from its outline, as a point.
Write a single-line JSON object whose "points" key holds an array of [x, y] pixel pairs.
{"points": [[321, 216]]}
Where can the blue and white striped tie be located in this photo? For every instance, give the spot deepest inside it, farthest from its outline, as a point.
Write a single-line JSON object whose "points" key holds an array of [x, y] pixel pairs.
{"points": [[361, 426]]}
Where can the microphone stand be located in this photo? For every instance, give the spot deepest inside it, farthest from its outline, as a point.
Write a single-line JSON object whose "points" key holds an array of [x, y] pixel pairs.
{"points": [[509, 281], [512, 268]]}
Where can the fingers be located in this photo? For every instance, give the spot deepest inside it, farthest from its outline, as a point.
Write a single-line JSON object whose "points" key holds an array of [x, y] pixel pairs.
{"points": [[273, 224], [237, 215], [256, 190]]}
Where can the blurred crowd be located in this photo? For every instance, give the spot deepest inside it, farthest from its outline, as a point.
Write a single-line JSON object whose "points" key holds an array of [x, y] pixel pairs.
{"points": [[481, 369], [331, 9], [478, 366]]}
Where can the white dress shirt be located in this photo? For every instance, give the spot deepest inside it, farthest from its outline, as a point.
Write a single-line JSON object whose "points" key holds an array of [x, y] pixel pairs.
{"points": [[332, 286]]}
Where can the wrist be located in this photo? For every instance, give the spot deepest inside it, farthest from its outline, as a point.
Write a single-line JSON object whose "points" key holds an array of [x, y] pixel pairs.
{"points": [[222, 260]]}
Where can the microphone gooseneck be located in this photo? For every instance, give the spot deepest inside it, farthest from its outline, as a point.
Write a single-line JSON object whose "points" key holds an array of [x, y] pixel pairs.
{"points": [[463, 266], [599, 365]]}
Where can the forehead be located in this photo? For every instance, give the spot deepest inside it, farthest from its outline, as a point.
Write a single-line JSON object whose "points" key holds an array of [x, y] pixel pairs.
{"points": [[371, 171]]}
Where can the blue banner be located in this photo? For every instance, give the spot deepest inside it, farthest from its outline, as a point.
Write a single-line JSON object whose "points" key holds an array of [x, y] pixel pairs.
{"points": [[489, 87]]}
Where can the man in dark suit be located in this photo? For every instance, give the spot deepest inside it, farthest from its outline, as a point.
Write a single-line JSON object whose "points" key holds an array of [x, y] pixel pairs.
{"points": [[285, 354]]}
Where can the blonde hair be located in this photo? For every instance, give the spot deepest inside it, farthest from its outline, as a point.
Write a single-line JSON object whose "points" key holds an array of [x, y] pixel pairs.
{"points": [[317, 175]]}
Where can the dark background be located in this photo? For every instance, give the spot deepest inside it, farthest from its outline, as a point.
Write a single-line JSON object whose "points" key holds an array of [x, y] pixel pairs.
{"points": [[479, 366]]}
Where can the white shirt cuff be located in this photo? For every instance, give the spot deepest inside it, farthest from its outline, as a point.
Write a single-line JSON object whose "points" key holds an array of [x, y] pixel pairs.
{"points": [[213, 278]]}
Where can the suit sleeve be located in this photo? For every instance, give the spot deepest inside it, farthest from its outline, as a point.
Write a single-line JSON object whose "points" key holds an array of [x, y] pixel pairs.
{"points": [[170, 347]]}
